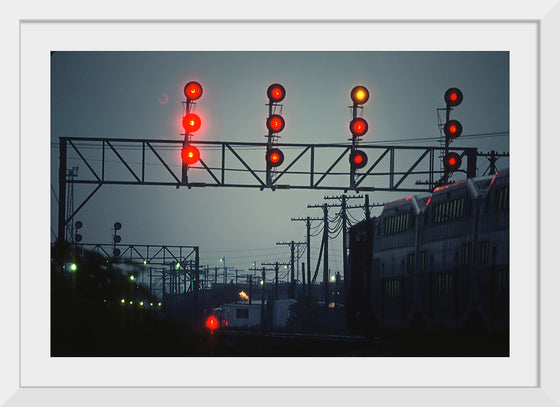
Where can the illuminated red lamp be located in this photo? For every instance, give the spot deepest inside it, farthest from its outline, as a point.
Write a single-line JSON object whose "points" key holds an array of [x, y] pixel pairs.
{"points": [[190, 155], [358, 159], [275, 123], [274, 157], [276, 93], [453, 129], [359, 95], [452, 161], [212, 323], [193, 90], [453, 97], [191, 122], [358, 127]]}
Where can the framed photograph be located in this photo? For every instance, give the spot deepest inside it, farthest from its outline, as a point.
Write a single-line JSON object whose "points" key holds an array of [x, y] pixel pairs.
{"points": [[527, 376]]}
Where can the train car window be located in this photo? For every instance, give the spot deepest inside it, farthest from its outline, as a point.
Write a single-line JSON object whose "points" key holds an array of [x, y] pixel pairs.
{"points": [[410, 263], [376, 267], [483, 250], [502, 199], [454, 211], [422, 261], [466, 253]]}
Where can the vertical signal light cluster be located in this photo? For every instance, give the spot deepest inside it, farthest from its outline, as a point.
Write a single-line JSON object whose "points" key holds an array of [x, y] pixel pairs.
{"points": [[191, 124], [452, 129], [275, 123], [358, 127]]}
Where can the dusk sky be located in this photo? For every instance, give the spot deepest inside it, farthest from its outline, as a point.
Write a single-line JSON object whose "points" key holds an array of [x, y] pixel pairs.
{"points": [[139, 95]]}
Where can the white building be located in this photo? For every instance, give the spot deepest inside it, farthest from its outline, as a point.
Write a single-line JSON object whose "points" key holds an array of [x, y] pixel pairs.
{"points": [[243, 315]]}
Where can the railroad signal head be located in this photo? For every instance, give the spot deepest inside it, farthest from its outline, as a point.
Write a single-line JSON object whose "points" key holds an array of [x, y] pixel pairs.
{"points": [[191, 122], [358, 126], [274, 157], [452, 161], [193, 90], [276, 93], [275, 123], [212, 323], [358, 159], [453, 97], [359, 95], [190, 155], [453, 129]]}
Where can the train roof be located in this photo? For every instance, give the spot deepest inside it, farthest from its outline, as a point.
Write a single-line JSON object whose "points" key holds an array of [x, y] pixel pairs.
{"points": [[476, 187], [415, 202]]}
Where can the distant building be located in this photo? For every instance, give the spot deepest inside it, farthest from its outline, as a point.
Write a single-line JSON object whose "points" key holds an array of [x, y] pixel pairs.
{"points": [[243, 315]]}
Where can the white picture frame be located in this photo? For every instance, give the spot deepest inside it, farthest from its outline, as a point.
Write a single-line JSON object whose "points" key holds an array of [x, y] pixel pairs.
{"points": [[546, 19]]}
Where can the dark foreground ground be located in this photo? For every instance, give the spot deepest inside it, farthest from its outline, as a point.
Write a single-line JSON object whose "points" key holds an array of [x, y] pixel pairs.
{"points": [[122, 331]]}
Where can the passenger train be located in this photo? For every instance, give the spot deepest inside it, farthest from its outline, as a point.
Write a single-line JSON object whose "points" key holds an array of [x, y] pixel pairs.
{"points": [[437, 259]]}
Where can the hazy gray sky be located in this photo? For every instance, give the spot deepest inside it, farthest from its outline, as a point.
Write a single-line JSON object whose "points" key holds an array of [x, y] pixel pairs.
{"points": [[138, 95]]}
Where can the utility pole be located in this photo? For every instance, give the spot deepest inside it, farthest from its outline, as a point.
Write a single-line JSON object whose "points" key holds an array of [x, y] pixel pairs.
{"points": [[254, 269], [250, 289], [262, 297], [326, 250], [223, 260], [307, 221], [492, 157], [303, 278], [344, 217], [326, 255], [276, 269], [292, 244], [237, 275]]}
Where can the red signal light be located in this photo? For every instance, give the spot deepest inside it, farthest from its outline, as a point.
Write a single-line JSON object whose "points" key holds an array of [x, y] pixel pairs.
{"points": [[359, 94], [276, 93], [274, 157], [212, 323], [452, 161], [453, 129], [191, 122], [193, 90], [358, 159], [453, 97], [358, 127], [190, 155], [275, 123]]}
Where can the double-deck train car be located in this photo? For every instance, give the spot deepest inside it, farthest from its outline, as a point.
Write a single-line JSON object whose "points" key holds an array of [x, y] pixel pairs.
{"points": [[438, 259]]}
